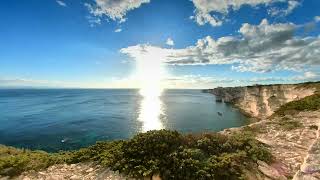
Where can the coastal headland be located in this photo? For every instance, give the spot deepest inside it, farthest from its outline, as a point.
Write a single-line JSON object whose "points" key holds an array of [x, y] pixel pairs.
{"points": [[282, 143]]}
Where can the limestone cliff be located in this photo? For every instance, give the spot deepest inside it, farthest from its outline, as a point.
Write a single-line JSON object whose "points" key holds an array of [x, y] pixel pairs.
{"points": [[261, 101], [292, 133]]}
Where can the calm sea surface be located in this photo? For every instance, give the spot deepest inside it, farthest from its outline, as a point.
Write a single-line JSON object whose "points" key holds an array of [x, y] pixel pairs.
{"points": [[64, 119]]}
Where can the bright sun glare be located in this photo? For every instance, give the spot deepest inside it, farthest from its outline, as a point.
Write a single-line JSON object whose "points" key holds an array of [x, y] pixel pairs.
{"points": [[150, 71]]}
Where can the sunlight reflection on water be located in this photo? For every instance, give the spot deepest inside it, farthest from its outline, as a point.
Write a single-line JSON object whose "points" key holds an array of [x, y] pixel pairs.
{"points": [[151, 109]]}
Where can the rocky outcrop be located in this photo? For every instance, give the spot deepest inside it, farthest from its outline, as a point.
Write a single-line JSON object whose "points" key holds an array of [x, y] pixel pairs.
{"points": [[80, 171], [296, 151], [261, 101], [294, 138]]}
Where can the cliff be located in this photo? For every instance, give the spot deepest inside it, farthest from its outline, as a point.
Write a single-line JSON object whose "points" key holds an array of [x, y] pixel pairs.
{"points": [[291, 133], [283, 146], [260, 101]]}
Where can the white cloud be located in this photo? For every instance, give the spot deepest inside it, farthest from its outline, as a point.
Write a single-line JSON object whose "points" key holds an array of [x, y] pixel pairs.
{"points": [[292, 4], [118, 30], [215, 12], [93, 21], [317, 18], [310, 75], [259, 48], [202, 81], [114, 9], [170, 42], [61, 3]]}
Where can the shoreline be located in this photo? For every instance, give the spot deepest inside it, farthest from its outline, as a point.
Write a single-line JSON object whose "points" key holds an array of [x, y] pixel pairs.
{"points": [[292, 158]]}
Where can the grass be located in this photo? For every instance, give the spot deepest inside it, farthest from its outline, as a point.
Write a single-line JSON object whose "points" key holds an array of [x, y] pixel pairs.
{"points": [[309, 103], [15, 161], [166, 153], [289, 124], [309, 85]]}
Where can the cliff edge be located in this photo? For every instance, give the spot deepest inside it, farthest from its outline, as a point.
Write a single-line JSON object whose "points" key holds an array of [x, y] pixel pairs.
{"points": [[289, 125], [261, 101]]}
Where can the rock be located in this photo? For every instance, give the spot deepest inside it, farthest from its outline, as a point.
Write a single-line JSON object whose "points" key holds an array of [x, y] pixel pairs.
{"points": [[55, 177], [42, 173], [74, 177], [261, 101], [89, 170], [269, 171]]}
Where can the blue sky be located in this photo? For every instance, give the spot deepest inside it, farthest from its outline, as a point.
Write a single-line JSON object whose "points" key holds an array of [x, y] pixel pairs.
{"points": [[121, 44]]}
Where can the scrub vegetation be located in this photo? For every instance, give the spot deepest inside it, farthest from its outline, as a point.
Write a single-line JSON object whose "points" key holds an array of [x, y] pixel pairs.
{"points": [[169, 154], [309, 103]]}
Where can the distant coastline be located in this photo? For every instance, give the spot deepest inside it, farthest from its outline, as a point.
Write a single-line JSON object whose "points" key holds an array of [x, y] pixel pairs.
{"points": [[284, 144]]}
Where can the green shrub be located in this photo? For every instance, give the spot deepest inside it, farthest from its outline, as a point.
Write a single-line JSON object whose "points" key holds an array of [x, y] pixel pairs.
{"points": [[106, 153], [166, 153], [227, 165], [147, 153], [289, 124], [14, 161], [186, 164], [309, 103]]}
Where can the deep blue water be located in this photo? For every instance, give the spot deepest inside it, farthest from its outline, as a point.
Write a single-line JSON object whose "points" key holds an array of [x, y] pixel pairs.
{"points": [[64, 119]]}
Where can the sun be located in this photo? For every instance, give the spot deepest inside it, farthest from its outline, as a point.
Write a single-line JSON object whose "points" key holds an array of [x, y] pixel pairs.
{"points": [[150, 72]]}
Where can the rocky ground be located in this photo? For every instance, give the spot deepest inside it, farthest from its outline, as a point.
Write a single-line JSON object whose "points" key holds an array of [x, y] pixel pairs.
{"points": [[296, 148], [81, 171]]}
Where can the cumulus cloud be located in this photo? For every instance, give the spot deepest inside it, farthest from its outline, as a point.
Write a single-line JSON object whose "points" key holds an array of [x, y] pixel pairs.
{"points": [[259, 48], [292, 4], [215, 12], [118, 30], [170, 42], [61, 3], [310, 75], [115, 10], [317, 18]]}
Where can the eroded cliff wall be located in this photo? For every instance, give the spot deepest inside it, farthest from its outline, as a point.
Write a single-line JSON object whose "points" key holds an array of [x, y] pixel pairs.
{"points": [[260, 101]]}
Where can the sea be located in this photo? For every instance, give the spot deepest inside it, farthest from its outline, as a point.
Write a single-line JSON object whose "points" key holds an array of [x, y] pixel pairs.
{"points": [[66, 119]]}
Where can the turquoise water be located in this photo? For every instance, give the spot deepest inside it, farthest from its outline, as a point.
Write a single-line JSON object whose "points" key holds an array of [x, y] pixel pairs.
{"points": [[64, 119]]}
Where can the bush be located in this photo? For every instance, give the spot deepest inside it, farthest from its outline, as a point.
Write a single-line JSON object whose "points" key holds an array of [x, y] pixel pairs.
{"points": [[227, 165], [15, 161], [166, 153], [290, 124], [106, 153], [309, 103]]}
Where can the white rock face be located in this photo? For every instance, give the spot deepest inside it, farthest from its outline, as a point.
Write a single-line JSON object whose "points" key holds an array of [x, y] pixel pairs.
{"points": [[261, 101]]}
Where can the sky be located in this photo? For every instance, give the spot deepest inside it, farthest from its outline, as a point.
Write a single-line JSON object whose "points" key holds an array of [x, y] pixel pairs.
{"points": [[165, 43]]}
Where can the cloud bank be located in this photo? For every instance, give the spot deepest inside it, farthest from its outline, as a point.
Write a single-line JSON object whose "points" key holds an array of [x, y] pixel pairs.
{"points": [[115, 10], [259, 48], [215, 12]]}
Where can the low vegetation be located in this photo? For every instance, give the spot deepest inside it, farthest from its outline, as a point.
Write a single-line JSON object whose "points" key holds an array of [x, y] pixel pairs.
{"points": [[309, 103], [14, 161], [289, 124], [169, 154], [314, 127], [310, 85]]}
